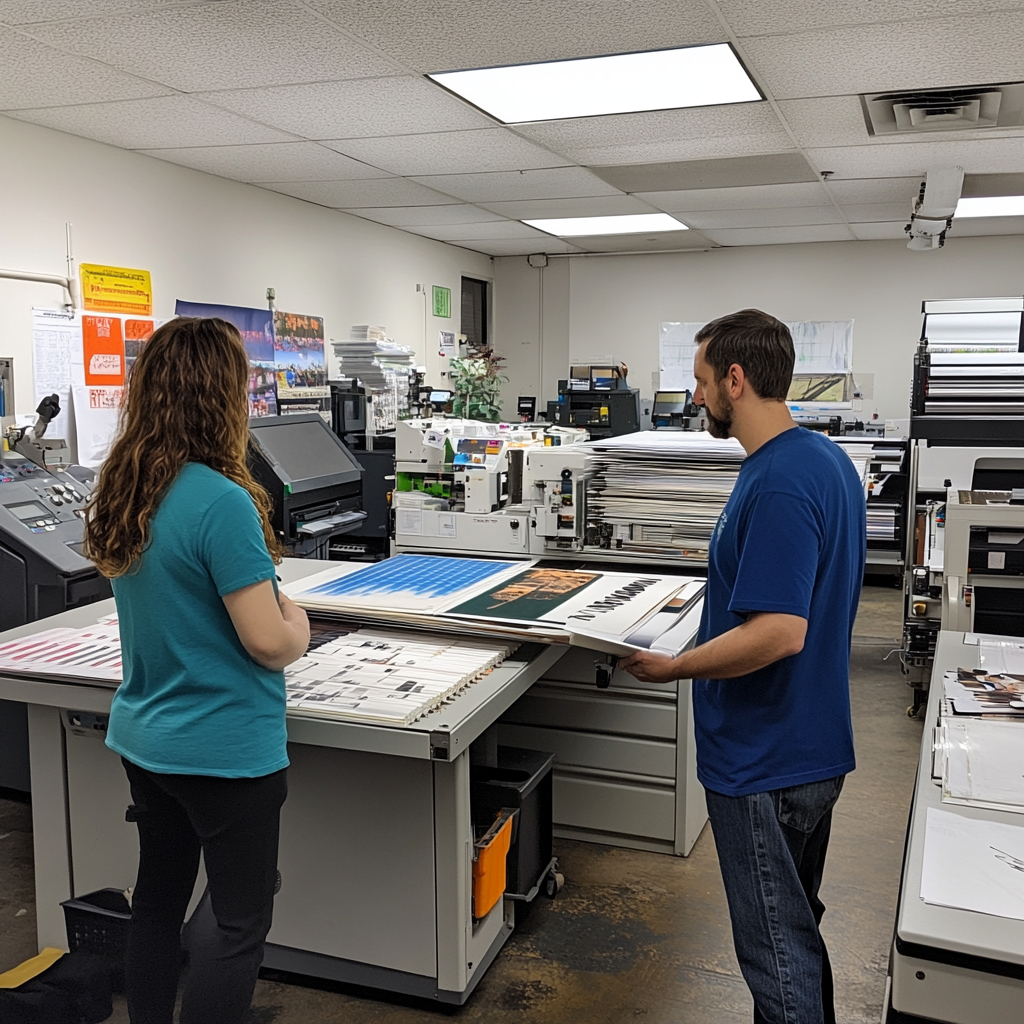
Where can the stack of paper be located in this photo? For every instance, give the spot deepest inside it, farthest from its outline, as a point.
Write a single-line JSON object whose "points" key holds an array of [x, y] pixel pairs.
{"points": [[973, 864], [93, 653], [383, 367], [386, 677], [881, 522], [661, 492], [517, 600], [983, 763]]}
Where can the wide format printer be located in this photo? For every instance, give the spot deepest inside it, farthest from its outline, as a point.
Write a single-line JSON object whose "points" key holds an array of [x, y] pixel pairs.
{"points": [[313, 480]]}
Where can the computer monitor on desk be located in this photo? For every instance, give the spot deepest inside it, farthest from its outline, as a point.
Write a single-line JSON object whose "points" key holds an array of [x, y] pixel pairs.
{"points": [[672, 409]]}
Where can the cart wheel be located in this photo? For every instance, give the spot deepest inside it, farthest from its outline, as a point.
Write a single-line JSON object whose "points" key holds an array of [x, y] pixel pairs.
{"points": [[553, 884], [911, 712]]}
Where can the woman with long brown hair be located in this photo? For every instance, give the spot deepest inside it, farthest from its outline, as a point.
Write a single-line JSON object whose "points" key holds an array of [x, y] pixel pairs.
{"points": [[183, 532]]}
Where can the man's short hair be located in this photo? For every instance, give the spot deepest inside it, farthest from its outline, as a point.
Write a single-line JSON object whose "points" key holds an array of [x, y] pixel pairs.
{"points": [[756, 341]]}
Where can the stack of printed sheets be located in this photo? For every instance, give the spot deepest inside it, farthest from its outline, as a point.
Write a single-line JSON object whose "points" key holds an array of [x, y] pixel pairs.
{"points": [[661, 492], [518, 600]]}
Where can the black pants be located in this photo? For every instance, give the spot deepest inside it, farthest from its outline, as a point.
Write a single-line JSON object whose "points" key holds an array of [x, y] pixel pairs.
{"points": [[235, 823]]}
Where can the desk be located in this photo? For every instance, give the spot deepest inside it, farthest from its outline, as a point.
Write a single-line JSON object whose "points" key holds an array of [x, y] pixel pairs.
{"points": [[376, 834], [948, 965]]}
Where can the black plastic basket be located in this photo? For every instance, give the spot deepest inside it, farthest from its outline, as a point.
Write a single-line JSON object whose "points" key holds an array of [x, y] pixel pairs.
{"points": [[98, 923]]}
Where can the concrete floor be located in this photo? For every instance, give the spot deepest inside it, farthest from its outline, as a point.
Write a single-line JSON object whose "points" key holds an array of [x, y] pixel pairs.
{"points": [[637, 936]]}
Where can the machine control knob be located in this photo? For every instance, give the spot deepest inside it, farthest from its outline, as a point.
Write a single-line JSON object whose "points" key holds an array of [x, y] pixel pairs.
{"points": [[58, 488], [514, 524], [56, 499]]}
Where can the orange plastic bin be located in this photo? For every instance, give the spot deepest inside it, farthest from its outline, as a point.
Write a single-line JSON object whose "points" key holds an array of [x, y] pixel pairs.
{"points": [[489, 858]]}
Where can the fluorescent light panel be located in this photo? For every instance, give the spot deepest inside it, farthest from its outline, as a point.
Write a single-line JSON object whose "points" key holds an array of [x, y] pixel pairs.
{"points": [[693, 76], [990, 206], [630, 224]]}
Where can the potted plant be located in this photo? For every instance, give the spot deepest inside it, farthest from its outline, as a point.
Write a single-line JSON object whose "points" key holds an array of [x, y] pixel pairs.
{"points": [[476, 380]]}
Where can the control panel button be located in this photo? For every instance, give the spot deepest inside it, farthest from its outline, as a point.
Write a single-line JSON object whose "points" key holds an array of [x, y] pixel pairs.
{"points": [[56, 499]]}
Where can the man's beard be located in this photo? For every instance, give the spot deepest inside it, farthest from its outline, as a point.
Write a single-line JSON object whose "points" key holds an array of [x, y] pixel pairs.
{"points": [[720, 427]]}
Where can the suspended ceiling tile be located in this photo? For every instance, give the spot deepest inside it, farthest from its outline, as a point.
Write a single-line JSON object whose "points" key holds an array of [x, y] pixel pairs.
{"points": [[761, 218], [985, 226], [483, 149], [880, 229], [278, 161], [750, 197], [780, 235], [232, 45], [659, 241], [351, 195], [447, 35], [771, 169], [403, 105], [506, 229], [757, 18], [163, 123], [935, 54], [425, 216], [875, 190], [551, 183], [692, 133], [35, 75], [515, 246], [862, 213], [589, 206], [991, 156], [24, 12]]}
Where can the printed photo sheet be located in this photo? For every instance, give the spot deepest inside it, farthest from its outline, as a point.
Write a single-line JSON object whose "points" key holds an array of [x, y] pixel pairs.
{"points": [[979, 692], [93, 653], [406, 583], [385, 677]]}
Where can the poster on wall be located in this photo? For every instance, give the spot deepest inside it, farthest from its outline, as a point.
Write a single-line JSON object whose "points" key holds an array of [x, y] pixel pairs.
{"points": [[257, 329], [102, 351], [301, 364]]}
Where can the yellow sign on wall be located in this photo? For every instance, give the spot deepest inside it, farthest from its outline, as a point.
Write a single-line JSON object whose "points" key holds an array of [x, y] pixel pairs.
{"points": [[116, 290]]}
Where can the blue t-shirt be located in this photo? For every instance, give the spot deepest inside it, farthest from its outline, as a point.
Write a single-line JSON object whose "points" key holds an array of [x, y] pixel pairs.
{"points": [[791, 539], [193, 702]]}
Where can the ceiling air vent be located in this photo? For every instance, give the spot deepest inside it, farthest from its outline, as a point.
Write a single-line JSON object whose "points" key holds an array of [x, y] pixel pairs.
{"points": [[945, 110]]}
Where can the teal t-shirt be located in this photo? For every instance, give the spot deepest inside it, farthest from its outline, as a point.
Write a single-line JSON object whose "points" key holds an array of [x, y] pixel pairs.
{"points": [[193, 702]]}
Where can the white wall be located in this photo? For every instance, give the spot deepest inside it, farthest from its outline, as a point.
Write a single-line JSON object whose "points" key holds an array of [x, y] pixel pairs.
{"points": [[205, 239], [603, 306]]}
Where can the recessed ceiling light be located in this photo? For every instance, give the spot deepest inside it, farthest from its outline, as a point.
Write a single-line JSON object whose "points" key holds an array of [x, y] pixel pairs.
{"points": [[633, 223], [991, 206], [694, 76]]}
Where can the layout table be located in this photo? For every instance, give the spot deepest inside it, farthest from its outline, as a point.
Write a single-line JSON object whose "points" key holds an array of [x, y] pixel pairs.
{"points": [[948, 965]]}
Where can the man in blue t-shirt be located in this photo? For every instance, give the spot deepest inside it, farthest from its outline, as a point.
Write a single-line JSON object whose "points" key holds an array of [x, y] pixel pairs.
{"points": [[770, 671]]}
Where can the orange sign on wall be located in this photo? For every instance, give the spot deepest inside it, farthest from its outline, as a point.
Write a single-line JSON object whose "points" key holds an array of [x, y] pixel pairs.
{"points": [[103, 350]]}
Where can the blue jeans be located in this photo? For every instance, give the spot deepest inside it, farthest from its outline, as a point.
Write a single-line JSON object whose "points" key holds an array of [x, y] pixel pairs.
{"points": [[771, 850]]}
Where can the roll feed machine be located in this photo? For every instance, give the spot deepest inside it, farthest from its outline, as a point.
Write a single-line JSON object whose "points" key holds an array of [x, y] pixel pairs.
{"points": [[313, 480], [458, 482]]}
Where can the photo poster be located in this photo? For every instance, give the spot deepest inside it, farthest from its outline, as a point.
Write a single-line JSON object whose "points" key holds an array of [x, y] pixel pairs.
{"points": [[612, 603], [257, 329], [301, 364], [822, 347]]}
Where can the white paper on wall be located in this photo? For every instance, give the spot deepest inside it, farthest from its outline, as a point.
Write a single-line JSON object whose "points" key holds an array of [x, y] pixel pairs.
{"points": [[56, 345], [821, 346]]}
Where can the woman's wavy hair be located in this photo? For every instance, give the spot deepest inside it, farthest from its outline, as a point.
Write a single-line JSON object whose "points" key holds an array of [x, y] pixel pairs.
{"points": [[186, 401]]}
